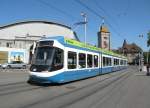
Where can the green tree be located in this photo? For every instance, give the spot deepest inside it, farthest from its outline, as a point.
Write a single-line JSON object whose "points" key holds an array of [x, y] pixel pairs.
{"points": [[148, 39], [148, 43]]}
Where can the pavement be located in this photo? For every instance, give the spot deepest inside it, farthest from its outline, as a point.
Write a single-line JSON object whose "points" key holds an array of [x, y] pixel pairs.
{"points": [[123, 89]]}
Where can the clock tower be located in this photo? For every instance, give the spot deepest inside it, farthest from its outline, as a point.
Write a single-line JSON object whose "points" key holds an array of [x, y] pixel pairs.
{"points": [[104, 38]]}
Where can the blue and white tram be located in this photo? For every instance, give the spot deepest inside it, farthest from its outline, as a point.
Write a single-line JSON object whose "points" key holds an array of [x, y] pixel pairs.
{"points": [[60, 60]]}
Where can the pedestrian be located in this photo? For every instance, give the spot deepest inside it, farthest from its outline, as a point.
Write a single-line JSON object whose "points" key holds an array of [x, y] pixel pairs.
{"points": [[148, 73]]}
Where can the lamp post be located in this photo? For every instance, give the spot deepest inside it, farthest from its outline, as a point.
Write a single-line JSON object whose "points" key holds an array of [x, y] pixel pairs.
{"points": [[85, 25], [141, 36], [140, 56], [147, 56]]}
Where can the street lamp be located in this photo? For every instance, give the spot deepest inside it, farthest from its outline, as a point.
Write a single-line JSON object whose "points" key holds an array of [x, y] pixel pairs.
{"points": [[141, 36], [141, 56], [85, 25]]}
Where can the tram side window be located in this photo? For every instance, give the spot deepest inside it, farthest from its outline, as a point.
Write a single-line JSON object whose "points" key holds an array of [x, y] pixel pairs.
{"points": [[109, 61], [125, 62], [89, 60], [82, 60], [121, 62], [72, 60], [115, 62], [106, 61], [95, 61]]}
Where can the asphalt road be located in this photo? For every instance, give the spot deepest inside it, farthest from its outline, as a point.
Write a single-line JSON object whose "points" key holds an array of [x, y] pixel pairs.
{"points": [[124, 89]]}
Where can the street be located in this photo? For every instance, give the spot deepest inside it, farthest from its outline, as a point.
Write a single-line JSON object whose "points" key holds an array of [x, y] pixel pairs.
{"points": [[124, 89]]}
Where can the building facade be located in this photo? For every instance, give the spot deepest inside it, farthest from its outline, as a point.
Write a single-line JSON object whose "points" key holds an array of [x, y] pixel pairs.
{"points": [[131, 51], [22, 35], [104, 38]]}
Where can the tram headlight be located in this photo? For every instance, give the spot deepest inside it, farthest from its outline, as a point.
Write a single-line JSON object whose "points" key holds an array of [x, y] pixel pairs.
{"points": [[34, 69]]}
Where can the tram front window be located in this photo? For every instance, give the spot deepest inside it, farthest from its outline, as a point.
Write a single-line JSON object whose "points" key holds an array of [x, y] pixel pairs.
{"points": [[47, 59]]}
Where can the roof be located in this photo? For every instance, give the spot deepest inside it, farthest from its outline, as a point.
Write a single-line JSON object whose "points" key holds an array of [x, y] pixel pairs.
{"points": [[21, 33], [34, 21], [104, 29], [130, 47]]}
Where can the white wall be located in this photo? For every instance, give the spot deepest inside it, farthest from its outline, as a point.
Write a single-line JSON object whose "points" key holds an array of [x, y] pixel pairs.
{"points": [[35, 29]]}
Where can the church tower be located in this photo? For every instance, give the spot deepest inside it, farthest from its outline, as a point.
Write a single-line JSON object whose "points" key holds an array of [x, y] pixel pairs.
{"points": [[104, 38]]}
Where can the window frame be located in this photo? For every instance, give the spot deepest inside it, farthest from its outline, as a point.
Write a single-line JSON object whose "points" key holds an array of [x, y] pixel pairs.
{"points": [[74, 61], [80, 66], [106, 61], [95, 64], [89, 65], [61, 57]]}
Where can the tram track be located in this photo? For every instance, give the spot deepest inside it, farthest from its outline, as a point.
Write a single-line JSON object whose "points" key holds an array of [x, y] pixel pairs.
{"points": [[90, 88], [104, 96], [9, 84], [12, 86], [18, 87], [94, 90], [19, 91]]}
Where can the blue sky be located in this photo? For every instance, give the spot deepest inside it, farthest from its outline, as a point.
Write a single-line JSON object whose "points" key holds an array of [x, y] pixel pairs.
{"points": [[125, 19]]}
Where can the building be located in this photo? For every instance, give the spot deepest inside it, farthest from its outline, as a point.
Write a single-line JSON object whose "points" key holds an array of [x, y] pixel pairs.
{"points": [[104, 38], [22, 35], [132, 51]]}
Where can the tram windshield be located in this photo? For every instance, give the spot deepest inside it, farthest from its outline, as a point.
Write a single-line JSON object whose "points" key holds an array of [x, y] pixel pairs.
{"points": [[47, 59]]}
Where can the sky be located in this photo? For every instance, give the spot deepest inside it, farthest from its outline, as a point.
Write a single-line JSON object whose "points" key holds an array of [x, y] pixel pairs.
{"points": [[125, 19]]}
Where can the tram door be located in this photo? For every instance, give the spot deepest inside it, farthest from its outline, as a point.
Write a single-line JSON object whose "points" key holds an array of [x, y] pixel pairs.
{"points": [[100, 63]]}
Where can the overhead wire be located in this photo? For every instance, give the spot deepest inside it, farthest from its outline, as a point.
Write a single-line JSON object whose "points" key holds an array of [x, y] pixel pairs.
{"points": [[72, 17], [88, 8], [105, 12], [57, 9], [98, 15]]}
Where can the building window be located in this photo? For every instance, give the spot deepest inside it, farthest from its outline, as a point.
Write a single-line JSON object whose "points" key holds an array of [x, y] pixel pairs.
{"points": [[20, 45], [9, 44], [95, 61], [105, 38], [82, 60], [89, 60], [72, 60], [105, 44]]}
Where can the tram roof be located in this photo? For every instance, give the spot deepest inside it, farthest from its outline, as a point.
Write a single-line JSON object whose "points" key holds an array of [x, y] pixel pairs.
{"points": [[76, 43]]}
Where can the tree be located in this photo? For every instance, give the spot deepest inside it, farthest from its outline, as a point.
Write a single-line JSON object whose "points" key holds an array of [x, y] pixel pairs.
{"points": [[148, 39], [145, 55], [148, 45]]}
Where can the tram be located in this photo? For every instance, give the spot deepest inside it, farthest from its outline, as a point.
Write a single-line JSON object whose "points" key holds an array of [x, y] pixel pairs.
{"points": [[60, 60]]}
